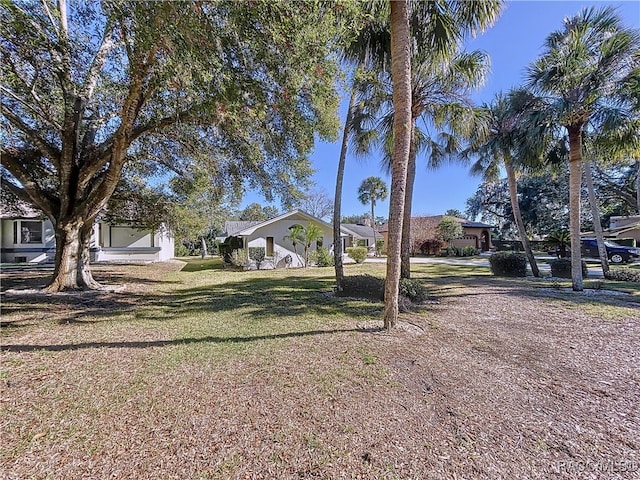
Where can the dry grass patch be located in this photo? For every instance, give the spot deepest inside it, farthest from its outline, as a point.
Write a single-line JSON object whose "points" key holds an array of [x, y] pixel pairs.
{"points": [[211, 374]]}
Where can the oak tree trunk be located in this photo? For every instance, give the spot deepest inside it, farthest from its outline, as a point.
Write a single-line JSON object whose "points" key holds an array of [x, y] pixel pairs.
{"points": [[575, 183], [515, 207], [72, 270], [401, 76]]}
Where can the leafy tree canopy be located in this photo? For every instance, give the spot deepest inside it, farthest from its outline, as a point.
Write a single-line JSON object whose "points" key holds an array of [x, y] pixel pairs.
{"points": [[238, 89]]}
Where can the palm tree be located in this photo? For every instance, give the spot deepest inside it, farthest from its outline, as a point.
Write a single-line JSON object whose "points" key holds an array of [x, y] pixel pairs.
{"points": [[580, 75], [401, 75], [371, 190], [619, 144], [367, 50], [440, 100], [494, 146]]}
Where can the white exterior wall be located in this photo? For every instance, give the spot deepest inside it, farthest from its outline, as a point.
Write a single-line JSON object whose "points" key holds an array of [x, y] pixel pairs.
{"points": [[283, 247], [126, 244], [33, 252]]}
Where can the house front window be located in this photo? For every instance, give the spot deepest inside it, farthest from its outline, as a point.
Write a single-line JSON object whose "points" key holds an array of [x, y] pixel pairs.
{"points": [[269, 247], [26, 232]]}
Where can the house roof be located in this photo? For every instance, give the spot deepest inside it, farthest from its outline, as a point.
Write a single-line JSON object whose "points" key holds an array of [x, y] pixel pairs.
{"points": [[615, 232], [250, 229], [358, 230], [430, 223], [232, 227]]}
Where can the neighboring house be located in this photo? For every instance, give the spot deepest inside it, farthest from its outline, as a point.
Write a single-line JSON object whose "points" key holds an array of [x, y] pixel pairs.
{"points": [[273, 235], [354, 234], [29, 237], [621, 228], [475, 234]]}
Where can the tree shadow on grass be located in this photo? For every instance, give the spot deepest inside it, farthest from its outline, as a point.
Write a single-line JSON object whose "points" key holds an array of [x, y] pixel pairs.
{"points": [[253, 298], [180, 341]]}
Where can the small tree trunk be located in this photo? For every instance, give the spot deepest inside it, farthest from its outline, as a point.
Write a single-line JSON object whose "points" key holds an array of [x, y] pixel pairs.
{"points": [[373, 227], [401, 77], [575, 183], [638, 186], [595, 214], [337, 200], [515, 207], [405, 246], [203, 247]]}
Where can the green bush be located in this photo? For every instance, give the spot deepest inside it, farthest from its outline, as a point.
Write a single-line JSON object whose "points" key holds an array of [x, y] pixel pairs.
{"points": [[561, 268], [469, 252], [413, 290], [321, 257], [257, 254], [358, 254], [181, 250], [239, 258], [623, 275], [459, 251], [362, 286], [506, 264], [228, 246]]}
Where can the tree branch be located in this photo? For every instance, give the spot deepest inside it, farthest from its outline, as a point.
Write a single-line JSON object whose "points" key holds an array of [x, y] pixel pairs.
{"points": [[46, 148], [38, 111], [31, 191]]}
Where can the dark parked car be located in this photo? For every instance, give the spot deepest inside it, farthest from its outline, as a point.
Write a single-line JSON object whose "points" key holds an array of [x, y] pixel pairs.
{"points": [[616, 253]]}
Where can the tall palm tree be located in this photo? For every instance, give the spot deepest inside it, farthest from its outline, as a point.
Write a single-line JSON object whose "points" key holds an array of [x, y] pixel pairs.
{"points": [[494, 147], [371, 190], [618, 144], [580, 74], [401, 75], [369, 49], [439, 97]]}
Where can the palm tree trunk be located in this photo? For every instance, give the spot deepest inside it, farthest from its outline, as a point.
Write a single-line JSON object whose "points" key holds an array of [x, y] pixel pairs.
{"points": [[575, 183], [405, 247], [638, 186], [337, 200], [373, 226], [401, 76], [595, 214], [517, 216]]}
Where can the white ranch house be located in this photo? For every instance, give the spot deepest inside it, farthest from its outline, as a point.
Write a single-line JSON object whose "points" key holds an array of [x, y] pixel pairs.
{"points": [[30, 238], [272, 236]]}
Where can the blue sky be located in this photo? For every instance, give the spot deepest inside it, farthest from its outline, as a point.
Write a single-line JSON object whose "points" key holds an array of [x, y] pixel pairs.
{"points": [[513, 42]]}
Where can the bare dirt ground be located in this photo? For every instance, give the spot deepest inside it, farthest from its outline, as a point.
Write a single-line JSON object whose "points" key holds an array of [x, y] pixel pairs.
{"points": [[495, 380]]}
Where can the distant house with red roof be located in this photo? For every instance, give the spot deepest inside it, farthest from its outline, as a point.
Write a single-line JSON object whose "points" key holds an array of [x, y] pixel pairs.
{"points": [[423, 229]]}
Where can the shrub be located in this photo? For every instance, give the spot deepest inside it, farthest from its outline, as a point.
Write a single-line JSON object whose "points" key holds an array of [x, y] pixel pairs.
{"points": [[379, 246], [561, 268], [228, 246], [362, 286], [257, 254], [430, 246], [413, 290], [181, 250], [448, 252], [239, 258], [469, 251], [505, 264], [358, 254], [623, 275], [321, 257]]}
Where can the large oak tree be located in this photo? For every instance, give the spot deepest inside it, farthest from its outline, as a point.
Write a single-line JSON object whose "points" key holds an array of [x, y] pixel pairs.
{"points": [[240, 88]]}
